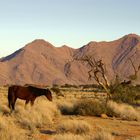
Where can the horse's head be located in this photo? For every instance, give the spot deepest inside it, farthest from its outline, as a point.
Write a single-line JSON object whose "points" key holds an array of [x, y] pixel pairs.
{"points": [[48, 94]]}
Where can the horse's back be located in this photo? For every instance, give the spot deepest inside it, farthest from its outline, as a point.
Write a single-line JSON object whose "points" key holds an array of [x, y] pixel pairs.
{"points": [[19, 92]]}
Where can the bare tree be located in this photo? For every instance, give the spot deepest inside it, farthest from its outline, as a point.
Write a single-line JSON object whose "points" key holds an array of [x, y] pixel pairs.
{"points": [[97, 71]]}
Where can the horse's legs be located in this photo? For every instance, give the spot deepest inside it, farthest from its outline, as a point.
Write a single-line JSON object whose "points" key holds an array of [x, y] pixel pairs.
{"points": [[32, 102], [13, 103], [10, 106], [27, 101], [10, 100]]}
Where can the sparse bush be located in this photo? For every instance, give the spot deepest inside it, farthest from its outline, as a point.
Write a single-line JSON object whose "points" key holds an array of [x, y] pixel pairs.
{"points": [[68, 137], [74, 126], [57, 91], [89, 86], [125, 94], [123, 111], [98, 136], [9, 131], [83, 107], [96, 108], [69, 86], [41, 113], [89, 107], [66, 108], [103, 136]]}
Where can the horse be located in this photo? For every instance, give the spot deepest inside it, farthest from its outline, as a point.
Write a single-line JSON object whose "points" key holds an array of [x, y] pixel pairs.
{"points": [[28, 93]]}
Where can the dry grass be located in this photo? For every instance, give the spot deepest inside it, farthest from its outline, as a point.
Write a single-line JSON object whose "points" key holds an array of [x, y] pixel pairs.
{"points": [[40, 114], [123, 111], [25, 120], [96, 108], [82, 107], [74, 126], [98, 136], [89, 107], [24, 123], [66, 107], [135, 138], [103, 136], [68, 137], [9, 130]]}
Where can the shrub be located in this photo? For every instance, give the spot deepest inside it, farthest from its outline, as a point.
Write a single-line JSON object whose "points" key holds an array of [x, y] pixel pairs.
{"points": [[99, 136], [103, 136], [66, 108], [83, 107], [68, 137], [69, 86], [89, 107], [73, 126], [125, 94], [96, 108], [123, 111]]}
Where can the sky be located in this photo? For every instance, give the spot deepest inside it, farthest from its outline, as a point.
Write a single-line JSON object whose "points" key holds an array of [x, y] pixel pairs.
{"points": [[70, 22]]}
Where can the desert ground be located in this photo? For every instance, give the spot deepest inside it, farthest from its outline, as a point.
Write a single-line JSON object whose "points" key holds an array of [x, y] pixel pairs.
{"points": [[72, 115]]}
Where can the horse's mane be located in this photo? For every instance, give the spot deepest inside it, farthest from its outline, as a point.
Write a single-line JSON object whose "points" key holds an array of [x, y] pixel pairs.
{"points": [[36, 90]]}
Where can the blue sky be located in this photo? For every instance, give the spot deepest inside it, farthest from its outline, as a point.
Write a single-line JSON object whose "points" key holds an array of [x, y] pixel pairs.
{"points": [[71, 22]]}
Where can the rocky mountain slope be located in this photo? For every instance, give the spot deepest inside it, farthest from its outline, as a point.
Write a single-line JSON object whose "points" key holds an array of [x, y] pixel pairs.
{"points": [[39, 62]]}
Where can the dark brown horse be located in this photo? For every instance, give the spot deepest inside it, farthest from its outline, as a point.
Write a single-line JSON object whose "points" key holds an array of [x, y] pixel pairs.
{"points": [[28, 93]]}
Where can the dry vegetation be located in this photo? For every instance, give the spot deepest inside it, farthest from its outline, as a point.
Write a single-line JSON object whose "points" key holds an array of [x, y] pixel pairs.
{"points": [[68, 118], [74, 126], [96, 108], [124, 111], [98, 136]]}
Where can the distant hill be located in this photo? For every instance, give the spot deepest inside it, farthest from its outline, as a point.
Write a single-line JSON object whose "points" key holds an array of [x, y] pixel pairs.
{"points": [[39, 62]]}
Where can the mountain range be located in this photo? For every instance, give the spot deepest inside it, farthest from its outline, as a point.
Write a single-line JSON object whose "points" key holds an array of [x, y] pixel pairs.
{"points": [[41, 63]]}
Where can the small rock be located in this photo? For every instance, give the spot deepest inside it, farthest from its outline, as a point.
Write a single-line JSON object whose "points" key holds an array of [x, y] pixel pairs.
{"points": [[104, 116]]}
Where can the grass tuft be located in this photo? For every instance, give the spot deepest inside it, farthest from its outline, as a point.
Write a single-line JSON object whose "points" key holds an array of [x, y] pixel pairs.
{"points": [[74, 126]]}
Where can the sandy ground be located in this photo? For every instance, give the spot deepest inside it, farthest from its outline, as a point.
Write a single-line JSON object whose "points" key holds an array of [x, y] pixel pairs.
{"points": [[121, 129]]}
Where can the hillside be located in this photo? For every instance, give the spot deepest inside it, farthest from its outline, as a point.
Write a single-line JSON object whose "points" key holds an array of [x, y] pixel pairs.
{"points": [[39, 62]]}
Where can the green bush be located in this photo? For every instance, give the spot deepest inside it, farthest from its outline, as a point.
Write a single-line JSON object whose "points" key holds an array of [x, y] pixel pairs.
{"points": [[125, 94]]}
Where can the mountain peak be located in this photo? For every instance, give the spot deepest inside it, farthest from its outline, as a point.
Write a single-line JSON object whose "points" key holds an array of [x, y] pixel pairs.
{"points": [[131, 36], [66, 47], [38, 44], [39, 41]]}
